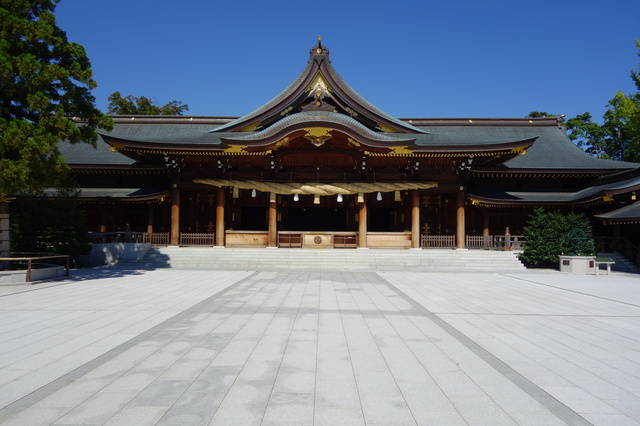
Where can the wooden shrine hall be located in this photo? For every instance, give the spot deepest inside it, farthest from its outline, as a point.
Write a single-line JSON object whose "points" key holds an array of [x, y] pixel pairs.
{"points": [[319, 166]]}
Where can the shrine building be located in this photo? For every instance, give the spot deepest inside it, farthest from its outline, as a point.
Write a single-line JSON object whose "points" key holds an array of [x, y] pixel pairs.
{"points": [[319, 166]]}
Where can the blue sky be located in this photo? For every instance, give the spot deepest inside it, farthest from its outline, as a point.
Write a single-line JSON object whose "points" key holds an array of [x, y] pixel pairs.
{"points": [[409, 58]]}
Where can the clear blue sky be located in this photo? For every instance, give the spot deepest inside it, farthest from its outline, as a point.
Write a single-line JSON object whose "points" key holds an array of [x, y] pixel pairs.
{"points": [[409, 58]]}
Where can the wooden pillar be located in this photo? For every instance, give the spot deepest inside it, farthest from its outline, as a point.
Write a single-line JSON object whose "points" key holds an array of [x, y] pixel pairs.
{"points": [[485, 227], [362, 221], [220, 231], [485, 221], [175, 217], [460, 228], [273, 224], [104, 218], [415, 219], [150, 219]]}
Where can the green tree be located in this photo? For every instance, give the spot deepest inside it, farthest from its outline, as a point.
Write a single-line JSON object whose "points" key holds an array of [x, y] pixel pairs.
{"points": [[623, 118], [618, 138], [45, 91], [590, 136], [132, 105], [540, 114], [547, 236]]}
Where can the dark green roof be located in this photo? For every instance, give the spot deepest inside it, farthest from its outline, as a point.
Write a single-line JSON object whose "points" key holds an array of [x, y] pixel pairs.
{"points": [[130, 194], [591, 193], [630, 213], [85, 154], [552, 150]]}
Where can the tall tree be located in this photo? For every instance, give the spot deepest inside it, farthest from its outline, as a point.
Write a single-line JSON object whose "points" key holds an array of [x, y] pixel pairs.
{"points": [[539, 114], [618, 138], [132, 105], [590, 136], [45, 89], [623, 119]]}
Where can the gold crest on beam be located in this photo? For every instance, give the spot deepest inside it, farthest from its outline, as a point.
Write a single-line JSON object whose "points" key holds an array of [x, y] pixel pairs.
{"points": [[235, 149], [318, 135], [400, 150]]}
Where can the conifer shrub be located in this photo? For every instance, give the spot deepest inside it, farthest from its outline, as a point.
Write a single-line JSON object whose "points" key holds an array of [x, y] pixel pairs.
{"points": [[551, 234]]}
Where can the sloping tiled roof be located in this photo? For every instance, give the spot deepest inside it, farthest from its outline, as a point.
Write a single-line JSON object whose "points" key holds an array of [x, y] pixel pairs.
{"points": [[318, 63], [131, 194], [588, 194], [85, 154], [630, 213], [553, 150], [288, 91], [324, 117]]}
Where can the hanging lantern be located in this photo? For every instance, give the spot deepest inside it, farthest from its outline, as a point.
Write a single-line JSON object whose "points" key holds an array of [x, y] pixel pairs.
{"points": [[339, 198], [316, 199], [296, 197], [253, 193], [379, 197]]}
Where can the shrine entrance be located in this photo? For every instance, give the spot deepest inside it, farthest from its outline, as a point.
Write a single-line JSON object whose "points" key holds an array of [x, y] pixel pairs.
{"points": [[315, 219]]}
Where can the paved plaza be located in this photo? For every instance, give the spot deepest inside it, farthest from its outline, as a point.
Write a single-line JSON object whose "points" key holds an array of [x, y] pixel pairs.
{"points": [[192, 347]]}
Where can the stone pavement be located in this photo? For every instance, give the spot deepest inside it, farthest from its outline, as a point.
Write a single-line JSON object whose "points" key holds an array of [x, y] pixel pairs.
{"points": [[179, 347]]}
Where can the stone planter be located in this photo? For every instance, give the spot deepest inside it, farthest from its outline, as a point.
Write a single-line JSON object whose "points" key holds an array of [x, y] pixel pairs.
{"points": [[37, 274], [578, 265]]}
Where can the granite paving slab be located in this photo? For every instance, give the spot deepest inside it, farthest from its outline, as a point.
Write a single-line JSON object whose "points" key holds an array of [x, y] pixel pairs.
{"points": [[178, 347]]}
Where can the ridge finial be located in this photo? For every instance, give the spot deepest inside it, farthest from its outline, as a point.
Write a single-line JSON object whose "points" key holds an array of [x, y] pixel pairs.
{"points": [[319, 49]]}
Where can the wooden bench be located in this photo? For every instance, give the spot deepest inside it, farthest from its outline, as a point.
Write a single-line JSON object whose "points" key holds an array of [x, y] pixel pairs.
{"points": [[604, 261]]}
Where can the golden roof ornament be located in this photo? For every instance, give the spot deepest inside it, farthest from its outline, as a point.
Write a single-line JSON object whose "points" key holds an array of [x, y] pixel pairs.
{"points": [[319, 49]]}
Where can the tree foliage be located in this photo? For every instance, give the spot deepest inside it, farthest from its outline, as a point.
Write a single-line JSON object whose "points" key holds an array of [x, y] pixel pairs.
{"points": [[547, 236], [45, 86], [132, 105], [618, 138], [540, 114], [590, 136]]}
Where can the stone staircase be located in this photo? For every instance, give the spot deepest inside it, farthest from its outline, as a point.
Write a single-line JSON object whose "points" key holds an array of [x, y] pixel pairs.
{"points": [[331, 260], [622, 263]]}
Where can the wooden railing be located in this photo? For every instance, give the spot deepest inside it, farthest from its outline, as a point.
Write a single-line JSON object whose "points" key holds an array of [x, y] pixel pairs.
{"points": [[489, 242], [155, 238], [438, 241], [116, 237], [480, 242], [197, 239]]}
